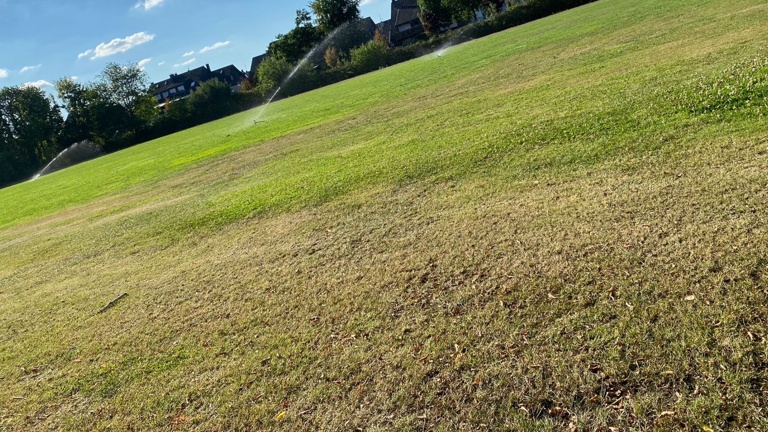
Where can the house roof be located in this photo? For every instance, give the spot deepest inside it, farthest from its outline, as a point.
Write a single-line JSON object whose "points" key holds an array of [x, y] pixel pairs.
{"points": [[384, 26], [255, 62], [404, 11], [200, 74], [369, 24], [229, 74]]}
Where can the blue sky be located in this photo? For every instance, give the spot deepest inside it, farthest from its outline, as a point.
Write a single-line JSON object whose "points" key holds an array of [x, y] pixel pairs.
{"points": [[42, 41]]}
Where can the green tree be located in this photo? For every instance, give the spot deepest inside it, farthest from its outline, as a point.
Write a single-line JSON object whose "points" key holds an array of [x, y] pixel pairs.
{"points": [[299, 41], [433, 15], [112, 110], [128, 86], [493, 7], [333, 13], [462, 10], [370, 56], [30, 121], [211, 100], [272, 71], [91, 115], [351, 35], [440, 13]]}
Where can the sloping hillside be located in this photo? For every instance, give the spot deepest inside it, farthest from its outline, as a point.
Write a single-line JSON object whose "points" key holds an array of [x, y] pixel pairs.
{"points": [[558, 227]]}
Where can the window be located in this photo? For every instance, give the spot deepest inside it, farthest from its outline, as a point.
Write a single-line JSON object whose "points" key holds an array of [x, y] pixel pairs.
{"points": [[173, 91], [165, 94], [404, 27], [180, 88]]}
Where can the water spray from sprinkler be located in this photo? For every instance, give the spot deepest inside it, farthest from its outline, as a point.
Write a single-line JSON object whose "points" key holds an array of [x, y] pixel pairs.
{"points": [[78, 152], [322, 45], [266, 105]]}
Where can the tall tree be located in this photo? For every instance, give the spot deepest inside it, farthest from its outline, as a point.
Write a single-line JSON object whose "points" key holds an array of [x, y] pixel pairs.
{"points": [[91, 114], [333, 13], [296, 43], [110, 111], [463, 10], [433, 15], [29, 124], [271, 73], [211, 100], [128, 86], [440, 13]]}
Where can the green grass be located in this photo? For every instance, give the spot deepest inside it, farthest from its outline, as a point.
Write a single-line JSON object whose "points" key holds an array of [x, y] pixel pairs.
{"points": [[558, 227]]}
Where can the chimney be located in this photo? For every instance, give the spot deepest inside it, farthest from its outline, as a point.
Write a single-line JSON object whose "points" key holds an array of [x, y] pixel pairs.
{"points": [[208, 67]]}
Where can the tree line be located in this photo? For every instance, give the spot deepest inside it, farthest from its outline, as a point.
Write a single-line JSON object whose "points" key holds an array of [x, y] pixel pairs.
{"points": [[117, 110], [356, 51]]}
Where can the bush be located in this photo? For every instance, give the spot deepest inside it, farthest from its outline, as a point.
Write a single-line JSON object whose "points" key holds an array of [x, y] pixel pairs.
{"points": [[246, 100], [369, 57], [520, 14], [303, 80], [272, 71], [402, 54], [211, 100]]}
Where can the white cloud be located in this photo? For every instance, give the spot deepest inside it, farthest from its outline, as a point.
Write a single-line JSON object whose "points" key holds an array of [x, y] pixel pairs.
{"points": [[217, 45], [187, 54], [367, 2], [161, 63], [144, 62], [38, 84], [186, 63], [116, 46], [30, 68], [149, 4], [3, 73]]}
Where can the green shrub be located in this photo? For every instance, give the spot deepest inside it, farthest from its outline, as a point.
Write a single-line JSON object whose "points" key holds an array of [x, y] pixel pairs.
{"points": [[402, 54], [245, 100], [303, 80], [211, 100], [520, 14], [369, 57], [271, 73]]}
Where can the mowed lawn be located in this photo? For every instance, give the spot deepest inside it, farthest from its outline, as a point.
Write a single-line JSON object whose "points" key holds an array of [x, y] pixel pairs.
{"points": [[537, 230]]}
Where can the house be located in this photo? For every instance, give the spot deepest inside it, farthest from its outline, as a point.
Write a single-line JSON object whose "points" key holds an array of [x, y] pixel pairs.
{"points": [[405, 26], [230, 75], [369, 25], [255, 63], [179, 86], [385, 27]]}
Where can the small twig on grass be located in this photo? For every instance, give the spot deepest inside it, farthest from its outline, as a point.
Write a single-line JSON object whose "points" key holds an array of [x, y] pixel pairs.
{"points": [[112, 303]]}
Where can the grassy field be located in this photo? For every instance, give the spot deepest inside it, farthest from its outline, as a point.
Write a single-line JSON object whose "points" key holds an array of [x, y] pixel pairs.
{"points": [[559, 227]]}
